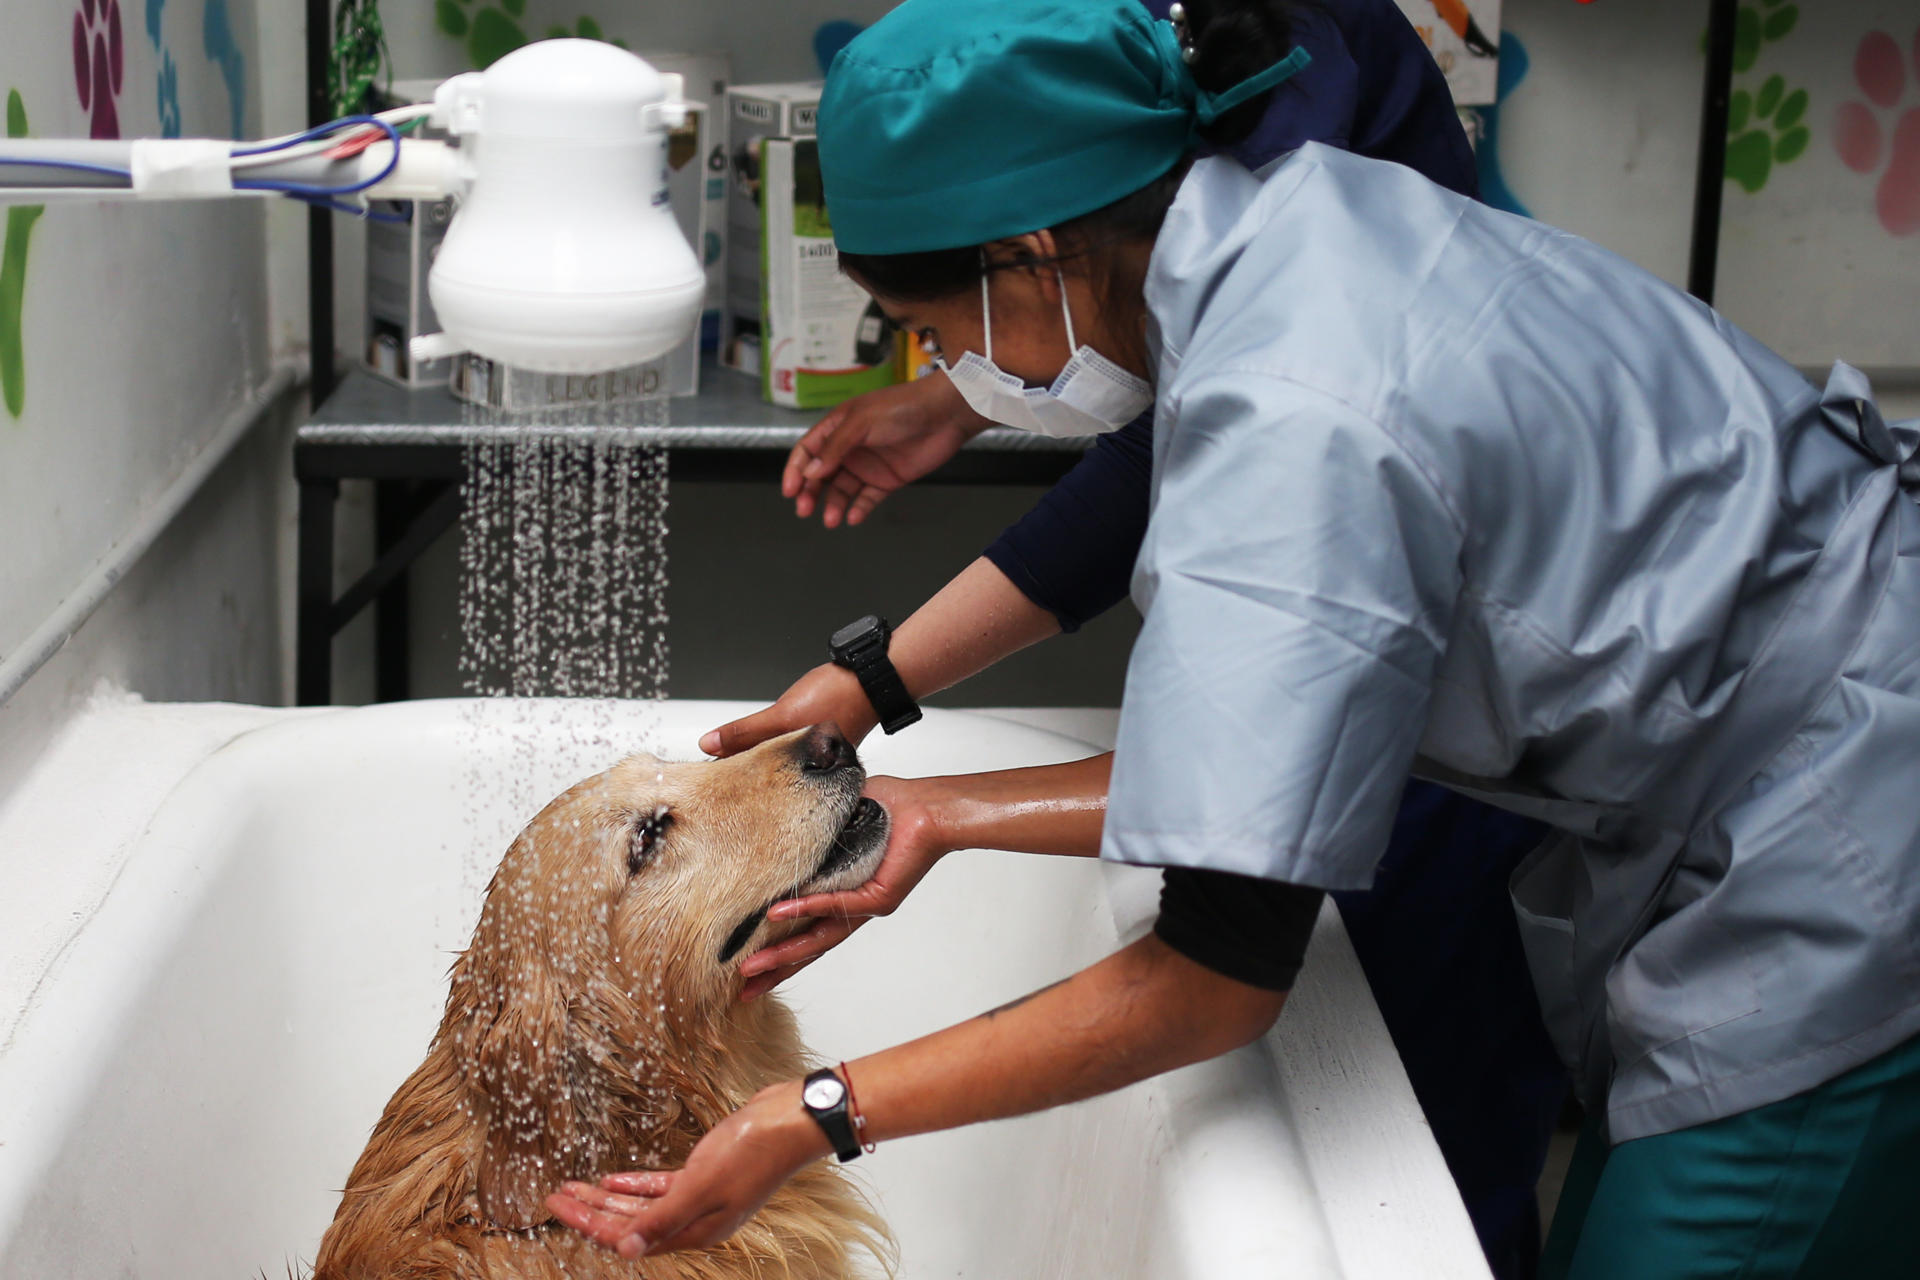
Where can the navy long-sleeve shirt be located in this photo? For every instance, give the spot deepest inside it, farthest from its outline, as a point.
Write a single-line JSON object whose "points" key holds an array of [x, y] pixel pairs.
{"points": [[1372, 88]]}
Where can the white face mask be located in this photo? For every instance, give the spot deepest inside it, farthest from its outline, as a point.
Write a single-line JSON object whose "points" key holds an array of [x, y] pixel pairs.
{"points": [[1091, 396]]}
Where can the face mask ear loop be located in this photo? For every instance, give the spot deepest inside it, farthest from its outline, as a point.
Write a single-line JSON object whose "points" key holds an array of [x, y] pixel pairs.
{"points": [[1066, 311]]}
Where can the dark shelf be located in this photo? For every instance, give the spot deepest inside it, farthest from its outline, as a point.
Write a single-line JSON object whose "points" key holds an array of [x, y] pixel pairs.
{"points": [[727, 414]]}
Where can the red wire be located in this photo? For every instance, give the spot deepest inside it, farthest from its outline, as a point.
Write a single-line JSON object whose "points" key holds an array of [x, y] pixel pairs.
{"points": [[355, 144]]}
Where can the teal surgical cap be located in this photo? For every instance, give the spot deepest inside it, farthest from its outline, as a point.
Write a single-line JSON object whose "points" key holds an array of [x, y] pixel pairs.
{"points": [[950, 123]]}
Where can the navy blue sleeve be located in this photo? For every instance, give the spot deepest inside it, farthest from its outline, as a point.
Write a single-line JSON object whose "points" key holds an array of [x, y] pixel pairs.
{"points": [[1404, 111], [1372, 88], [1073, 553]]}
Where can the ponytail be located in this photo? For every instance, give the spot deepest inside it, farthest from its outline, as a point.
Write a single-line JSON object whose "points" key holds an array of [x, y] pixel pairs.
{"points": [[1232, 41]]}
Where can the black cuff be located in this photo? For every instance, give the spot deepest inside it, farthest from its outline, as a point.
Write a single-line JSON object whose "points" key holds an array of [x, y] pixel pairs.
{"points": [[1241, 927]]}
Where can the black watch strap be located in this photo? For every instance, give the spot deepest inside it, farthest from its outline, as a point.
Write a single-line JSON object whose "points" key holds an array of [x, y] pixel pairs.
{"points": [[861, 647], [826, 1098]]}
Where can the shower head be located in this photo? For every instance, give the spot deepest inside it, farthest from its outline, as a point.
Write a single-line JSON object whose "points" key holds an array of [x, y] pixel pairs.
{"points": [[564, 256]]}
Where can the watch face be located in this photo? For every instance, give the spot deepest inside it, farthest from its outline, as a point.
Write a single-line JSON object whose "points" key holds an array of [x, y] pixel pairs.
{"points": [[865, 628], [823, 1094]]}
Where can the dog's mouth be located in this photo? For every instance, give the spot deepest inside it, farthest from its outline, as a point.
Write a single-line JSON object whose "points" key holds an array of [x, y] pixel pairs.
{"points": [[847, 861], [862, 834]]}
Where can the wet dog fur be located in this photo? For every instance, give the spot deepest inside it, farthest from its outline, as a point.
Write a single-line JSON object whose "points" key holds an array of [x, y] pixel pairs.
{"points": [[594, 1025]]}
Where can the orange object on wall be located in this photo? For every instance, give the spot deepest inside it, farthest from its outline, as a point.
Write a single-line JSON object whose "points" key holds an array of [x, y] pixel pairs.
{"points": [[1456, 15]]}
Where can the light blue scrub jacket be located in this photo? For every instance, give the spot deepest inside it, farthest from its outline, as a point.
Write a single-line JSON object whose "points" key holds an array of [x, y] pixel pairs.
{"points": [[1443, 490]]}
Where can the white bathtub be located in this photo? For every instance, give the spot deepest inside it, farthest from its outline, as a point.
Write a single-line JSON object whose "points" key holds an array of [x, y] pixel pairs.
{"points": [[198, 1036]]}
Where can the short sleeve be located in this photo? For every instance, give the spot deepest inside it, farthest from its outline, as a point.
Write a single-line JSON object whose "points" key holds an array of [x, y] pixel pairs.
{"points": [[1298, 580]]}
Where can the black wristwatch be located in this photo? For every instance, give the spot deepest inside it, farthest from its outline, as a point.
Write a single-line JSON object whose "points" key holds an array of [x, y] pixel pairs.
{"points": [[824, 1095], [861, 647]]}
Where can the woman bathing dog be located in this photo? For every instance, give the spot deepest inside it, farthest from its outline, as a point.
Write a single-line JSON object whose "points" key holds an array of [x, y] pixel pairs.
{"points": [[1436, 489]]}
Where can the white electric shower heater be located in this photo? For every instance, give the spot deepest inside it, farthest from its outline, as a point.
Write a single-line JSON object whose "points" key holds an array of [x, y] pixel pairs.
{"points": [[563, 255]]}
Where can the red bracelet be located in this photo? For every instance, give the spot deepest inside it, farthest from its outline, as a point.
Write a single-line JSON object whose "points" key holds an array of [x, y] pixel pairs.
{"points": [[853, 1110]]}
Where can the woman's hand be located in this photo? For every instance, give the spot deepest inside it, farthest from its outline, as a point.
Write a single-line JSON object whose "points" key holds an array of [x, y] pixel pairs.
{"points": [[732, 1172], [874, 444], [828, 694], [1056, 808], [975, 620], [915, 841]]}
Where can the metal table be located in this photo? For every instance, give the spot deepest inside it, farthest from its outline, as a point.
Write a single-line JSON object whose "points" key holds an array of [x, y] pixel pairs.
{"points": [[412, 445]]}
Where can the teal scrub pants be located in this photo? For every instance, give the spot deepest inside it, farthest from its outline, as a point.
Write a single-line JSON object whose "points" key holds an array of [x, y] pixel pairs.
{"points": [[1822, 1185]]}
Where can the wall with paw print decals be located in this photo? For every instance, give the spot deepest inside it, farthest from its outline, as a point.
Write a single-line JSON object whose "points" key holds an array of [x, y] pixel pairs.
{"points": [[128, 336], [1820, 251]]}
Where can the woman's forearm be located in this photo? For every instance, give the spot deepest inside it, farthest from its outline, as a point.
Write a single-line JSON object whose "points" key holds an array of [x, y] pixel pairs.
{"points": [[1144, 1010], [1056, 808], [1141, 1011], [970, 624]]}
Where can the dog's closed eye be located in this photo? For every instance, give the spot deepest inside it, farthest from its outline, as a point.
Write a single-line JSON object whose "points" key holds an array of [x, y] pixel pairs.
{"points": [[648, 831]]}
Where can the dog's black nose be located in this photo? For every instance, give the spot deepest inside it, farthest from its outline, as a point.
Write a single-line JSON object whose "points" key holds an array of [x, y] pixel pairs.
{"points": [[825, 749]]}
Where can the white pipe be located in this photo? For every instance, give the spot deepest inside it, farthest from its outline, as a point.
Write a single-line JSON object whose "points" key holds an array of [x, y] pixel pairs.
{"points": [[71, 614], [177, 168], [427, 170]]}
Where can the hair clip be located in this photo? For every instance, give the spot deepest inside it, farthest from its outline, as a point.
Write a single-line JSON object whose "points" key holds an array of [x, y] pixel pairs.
{"points": [[1177, 15]]}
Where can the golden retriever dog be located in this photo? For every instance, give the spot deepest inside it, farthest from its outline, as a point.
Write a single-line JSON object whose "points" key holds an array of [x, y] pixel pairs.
{"points": [[594, 1025]]}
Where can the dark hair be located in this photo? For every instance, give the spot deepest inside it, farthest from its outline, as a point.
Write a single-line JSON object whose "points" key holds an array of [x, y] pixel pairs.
{"points": [[1235, 40], [1232, 40]]}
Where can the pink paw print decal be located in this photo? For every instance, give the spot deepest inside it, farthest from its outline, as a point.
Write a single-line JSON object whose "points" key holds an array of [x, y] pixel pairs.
{"points": [[1867, 143], [99, 64]]}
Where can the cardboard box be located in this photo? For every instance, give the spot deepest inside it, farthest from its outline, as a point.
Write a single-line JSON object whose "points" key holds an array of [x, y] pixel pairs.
{"points": [[707, 76], [687, 195], [398, 308], [823, 337], [399, 255], [916, 358], [754, 114], [1464, 36]]}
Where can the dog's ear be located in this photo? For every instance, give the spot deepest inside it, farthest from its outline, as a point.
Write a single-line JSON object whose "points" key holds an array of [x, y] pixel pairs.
{"points": [[517, 1050]]}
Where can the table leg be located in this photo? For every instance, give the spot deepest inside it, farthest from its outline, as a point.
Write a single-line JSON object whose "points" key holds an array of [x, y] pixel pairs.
{"points": [[392, 513], [313, 628]]}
